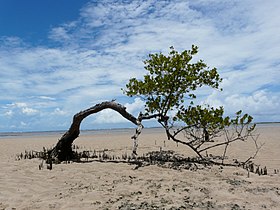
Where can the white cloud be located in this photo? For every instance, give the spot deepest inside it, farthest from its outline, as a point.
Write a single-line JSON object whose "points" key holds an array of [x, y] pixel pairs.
{"points": [[19, 104], [58, 112], [136, 106], [97, 54], [29, 111], [23, 124], [262, 105], [11, 42], [9, 113], [18, 108], [59, 34], [47, 98]]}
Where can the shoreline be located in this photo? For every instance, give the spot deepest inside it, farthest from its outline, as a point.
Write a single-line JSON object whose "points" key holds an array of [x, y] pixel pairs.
{"points": [[61, 132], [101, 131]]}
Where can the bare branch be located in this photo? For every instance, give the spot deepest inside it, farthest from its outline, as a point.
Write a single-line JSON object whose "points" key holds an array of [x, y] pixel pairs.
{"points": [[258, 147], [63, 150]]}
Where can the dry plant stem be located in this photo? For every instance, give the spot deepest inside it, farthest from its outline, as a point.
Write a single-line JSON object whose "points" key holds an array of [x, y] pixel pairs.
{"points": [[231, 138], [182, 142], [226, 147], [258, 147], [238, 133]]}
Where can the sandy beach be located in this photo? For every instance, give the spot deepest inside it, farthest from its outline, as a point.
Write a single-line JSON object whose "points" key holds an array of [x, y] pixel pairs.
{"points": [[104, 185]]}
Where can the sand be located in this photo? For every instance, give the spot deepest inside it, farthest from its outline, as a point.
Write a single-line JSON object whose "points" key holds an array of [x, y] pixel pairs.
{"points": [[103, 185]]}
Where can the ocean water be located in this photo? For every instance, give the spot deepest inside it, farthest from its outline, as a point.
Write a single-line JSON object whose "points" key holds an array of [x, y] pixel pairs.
{"points": [[28, 134], [60, 133], [100, 131]]}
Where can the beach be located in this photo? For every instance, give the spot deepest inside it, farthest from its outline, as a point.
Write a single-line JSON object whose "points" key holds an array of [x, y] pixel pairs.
{"points": [[119, 185]]}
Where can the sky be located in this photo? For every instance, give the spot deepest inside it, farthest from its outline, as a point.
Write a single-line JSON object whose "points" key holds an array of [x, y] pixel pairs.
{"points": [[58, 57]]}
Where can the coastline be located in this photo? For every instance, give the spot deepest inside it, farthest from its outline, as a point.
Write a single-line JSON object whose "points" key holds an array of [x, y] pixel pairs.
{"points": [[61, 132], [11, 134]]}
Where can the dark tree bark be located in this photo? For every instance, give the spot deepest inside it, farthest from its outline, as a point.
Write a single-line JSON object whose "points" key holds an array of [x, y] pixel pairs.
{"points": [[63, 149]]}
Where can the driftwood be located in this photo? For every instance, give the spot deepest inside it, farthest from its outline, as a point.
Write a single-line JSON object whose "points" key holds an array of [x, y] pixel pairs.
{"points": [[63, 149]]}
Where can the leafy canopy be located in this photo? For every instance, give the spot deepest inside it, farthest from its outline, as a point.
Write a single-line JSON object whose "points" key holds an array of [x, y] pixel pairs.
{"points": [[170, 80]]}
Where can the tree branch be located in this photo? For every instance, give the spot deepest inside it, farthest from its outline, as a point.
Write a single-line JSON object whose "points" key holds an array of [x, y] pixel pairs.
{"points": [[63, 150]]}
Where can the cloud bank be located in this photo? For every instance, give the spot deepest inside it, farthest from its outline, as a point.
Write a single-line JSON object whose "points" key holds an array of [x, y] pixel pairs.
{"points": [[91, 58]]}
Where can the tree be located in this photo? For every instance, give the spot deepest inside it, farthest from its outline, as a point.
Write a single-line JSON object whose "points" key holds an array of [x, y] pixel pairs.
{"points": [[169, 87]]}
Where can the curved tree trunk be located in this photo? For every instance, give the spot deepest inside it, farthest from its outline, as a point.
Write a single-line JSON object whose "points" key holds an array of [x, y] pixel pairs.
{"points": [[63, 149]]}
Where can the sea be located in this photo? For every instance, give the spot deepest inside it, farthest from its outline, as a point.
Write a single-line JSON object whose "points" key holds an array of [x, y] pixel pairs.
{"points": [[101, 131], [82, 132]]}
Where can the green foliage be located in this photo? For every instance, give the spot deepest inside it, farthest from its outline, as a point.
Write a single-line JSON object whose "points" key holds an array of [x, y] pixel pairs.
{"points": [[209, 118], [246, 119], [171, 79]]}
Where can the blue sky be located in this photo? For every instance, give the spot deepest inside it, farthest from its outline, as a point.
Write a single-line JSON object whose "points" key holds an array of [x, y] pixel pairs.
{"points": [[58, 57]]}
